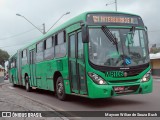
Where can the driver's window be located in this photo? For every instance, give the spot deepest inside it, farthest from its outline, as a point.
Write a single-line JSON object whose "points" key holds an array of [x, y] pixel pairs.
{"points": [[116, 35], [132, 39], [142, 42], [136, 41], [141, 35]]}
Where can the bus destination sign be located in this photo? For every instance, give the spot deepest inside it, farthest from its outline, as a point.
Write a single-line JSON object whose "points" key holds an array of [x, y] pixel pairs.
{"points": [[111, 19], [114, 19]]}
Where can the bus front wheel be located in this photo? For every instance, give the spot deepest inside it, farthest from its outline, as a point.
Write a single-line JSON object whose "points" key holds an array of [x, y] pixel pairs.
{"points": [[60, 89]]}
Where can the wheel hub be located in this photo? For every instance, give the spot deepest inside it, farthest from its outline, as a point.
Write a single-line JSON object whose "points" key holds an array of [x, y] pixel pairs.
{"points": [[60, 88], [27, 85]]}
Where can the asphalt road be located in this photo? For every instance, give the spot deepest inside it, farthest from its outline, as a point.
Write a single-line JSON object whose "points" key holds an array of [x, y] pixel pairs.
{"points": [[145, 102]]}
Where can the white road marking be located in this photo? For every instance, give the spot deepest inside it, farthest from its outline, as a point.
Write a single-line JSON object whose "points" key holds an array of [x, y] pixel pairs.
{"points": [[157, 80], [11, 87]]}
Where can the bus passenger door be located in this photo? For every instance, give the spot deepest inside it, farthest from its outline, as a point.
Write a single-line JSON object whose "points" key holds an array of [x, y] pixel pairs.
{"points": [[76, 64], [32, 67]]}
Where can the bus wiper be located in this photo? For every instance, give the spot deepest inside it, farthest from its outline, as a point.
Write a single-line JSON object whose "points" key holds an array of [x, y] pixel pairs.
{"points": [[110, 36]]}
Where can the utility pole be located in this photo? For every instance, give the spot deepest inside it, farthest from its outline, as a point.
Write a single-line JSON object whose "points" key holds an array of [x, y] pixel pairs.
{"points": [[115, 2], [29, 22], [44, 32], [58, 21], [116, 5]]}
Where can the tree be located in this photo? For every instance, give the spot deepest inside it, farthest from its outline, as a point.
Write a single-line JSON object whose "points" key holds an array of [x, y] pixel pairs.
{"points": [[3, 57]]}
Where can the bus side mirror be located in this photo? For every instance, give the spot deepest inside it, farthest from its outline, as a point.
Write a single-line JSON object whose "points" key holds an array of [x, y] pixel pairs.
{"points": [[85, 34], [146, 28]]}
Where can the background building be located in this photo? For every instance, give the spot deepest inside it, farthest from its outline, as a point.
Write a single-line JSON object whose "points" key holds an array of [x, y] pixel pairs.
{"points": [[155, 64], [2, 71]]}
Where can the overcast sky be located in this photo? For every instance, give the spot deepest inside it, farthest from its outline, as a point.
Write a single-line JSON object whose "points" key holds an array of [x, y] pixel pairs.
{"points": [[15, 32]]}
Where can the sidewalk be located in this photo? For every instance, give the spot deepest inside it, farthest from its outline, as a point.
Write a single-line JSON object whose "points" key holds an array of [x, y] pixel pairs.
{"points": [[11, 101], [1, 79]]}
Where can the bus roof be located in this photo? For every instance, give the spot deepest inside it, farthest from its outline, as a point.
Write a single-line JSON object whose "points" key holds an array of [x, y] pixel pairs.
{"points": [[81, 17], [14, 55]]}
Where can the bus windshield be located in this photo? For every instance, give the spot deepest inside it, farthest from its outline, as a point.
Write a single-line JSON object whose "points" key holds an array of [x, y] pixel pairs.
{"points": [[131, 48]]}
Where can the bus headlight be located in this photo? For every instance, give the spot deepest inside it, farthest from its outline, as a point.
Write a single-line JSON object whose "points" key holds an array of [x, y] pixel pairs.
{"points": [[146, 77], [97, 79]]}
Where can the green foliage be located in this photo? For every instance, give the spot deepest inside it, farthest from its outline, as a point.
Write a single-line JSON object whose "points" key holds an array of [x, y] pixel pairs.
{"points": [[3, 56]]}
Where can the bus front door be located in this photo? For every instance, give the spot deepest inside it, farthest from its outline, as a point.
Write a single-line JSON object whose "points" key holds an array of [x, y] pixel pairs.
{"points": [[76, 64], [32, 68]]}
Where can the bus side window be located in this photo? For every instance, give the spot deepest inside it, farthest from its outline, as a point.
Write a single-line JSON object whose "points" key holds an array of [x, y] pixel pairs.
{"points": [[80, 46], [45, 45], [24, 57], [48, 49], [15, 63], [39, 51], [60, 45], [56, 40]]}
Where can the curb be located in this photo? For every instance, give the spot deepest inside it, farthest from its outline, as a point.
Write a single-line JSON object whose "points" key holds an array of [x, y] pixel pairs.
{"points": [[3, 84], [40, 102]]}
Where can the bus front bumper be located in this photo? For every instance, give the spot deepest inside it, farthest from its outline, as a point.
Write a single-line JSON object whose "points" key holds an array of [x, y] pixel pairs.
{"points": [[106, 91]]}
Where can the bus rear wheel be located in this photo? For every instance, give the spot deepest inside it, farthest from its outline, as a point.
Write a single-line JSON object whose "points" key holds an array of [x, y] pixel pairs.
{"points": [[60, 89], [28, 88]]}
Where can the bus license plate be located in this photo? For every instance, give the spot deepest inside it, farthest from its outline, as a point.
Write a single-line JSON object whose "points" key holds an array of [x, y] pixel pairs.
{"points": [[121, 88]]}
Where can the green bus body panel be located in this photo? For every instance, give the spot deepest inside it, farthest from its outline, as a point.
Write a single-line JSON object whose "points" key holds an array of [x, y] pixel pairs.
{"points": [[104, 91], [45, 72], [73, 28], [25, 70], [67, 86], [46, 69], [33, 81], [13, 74], [32, 47]]}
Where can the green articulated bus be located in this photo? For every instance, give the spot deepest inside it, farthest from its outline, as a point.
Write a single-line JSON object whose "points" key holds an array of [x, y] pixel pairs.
{"points": [[96, 55]]}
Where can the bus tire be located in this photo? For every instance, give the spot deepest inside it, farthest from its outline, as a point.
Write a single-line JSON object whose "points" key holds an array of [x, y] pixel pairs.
{"points": [[28, 88], [60, 89]]}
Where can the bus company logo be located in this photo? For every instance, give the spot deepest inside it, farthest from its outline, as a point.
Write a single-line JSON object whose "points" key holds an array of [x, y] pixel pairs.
{"points": [[115, 74]]}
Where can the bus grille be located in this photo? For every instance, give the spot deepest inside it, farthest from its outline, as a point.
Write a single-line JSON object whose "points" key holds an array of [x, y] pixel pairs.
{"points": [[133, 72], [122, 81]]}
